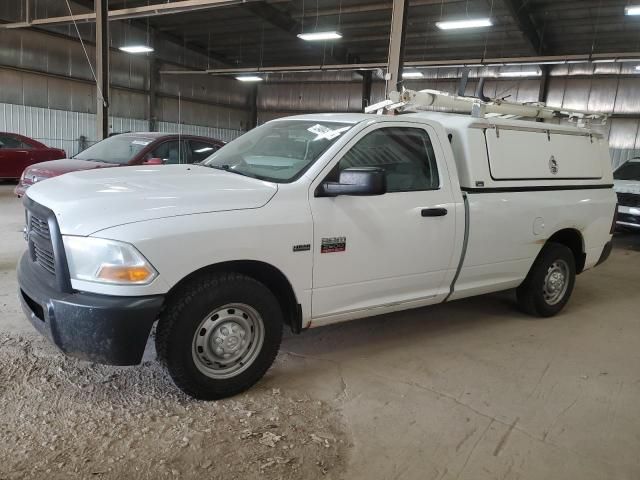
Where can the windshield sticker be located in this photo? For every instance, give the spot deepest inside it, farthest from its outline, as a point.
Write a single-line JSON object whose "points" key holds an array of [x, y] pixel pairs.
{"points": [[141, 142], [323, 132]]}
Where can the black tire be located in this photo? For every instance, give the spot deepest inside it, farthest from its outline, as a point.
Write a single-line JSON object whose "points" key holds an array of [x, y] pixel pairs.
{"points": [[531, 293], [183, 316]]}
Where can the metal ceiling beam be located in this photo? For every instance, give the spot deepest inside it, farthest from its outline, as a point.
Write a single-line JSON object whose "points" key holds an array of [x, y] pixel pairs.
{"points": [[397, 39], [127, 13], [102, 68], [520, 13], [169, 37], [473, 62], [294, 69]]}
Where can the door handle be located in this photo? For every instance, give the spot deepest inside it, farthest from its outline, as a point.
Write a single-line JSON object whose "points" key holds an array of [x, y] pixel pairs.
{"points": [[433, 212]]}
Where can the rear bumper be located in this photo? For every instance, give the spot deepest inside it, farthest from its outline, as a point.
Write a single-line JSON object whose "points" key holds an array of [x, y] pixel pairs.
{"points": [[99, 328]]}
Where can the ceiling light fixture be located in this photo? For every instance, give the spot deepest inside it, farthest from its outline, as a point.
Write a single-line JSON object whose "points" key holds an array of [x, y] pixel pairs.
{"points": [[412, 75], [632, 10], [457, 24], [637, 68], [136, 49], [249, 78], [523, 73], [318, 36]]}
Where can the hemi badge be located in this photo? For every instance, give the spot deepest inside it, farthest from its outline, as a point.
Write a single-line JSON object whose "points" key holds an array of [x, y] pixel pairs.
{"points": [[302, 248]]}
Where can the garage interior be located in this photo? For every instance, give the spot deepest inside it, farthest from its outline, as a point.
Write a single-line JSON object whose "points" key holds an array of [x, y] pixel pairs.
{"points": [[472, 389]]}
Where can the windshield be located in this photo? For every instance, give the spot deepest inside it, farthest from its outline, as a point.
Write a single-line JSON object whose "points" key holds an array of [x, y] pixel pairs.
{"points": [[119, 149], [628, 171], [278, 151]]}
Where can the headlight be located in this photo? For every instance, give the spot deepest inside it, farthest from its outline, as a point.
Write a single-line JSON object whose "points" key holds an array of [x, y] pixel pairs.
{"points": [[107, 261]]}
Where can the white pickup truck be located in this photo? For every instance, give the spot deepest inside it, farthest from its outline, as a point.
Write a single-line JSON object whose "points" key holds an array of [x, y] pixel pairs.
{"points": [[307, 221]]}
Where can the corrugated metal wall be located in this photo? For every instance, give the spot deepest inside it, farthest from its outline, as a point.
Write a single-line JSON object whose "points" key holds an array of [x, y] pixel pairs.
{"points": [[61, 81], [220, 133], [603, 88], [58, 86], [60, 128], [73, 131]]}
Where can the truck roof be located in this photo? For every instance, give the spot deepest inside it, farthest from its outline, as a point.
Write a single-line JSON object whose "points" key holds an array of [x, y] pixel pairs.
{"points": [[450, 121]]}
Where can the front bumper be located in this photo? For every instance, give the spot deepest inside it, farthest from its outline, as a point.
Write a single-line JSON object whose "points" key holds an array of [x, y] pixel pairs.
{"points": [[628, 217], [99, 328]]}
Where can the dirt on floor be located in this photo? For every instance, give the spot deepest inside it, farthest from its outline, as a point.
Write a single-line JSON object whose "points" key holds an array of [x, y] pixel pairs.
{"points": [[62, 419]]}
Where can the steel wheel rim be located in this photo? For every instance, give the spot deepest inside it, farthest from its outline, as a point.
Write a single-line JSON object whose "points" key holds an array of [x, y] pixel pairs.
{"points": [[227, 341], [556, 282]]}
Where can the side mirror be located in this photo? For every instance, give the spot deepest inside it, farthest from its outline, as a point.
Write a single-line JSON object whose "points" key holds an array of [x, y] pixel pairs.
{"points": [[153, 161], [359, 181]]}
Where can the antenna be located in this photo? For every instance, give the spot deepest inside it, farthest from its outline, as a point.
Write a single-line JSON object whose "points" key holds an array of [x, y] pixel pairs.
{"points": [[179, 126]]}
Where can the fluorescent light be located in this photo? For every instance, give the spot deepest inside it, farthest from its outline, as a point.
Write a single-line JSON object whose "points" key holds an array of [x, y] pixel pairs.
{"points": [[632, 10], [456, 24], [412, 75], [523, 73], [203, 150], [637, 68], [604, 60], [136, 49], [317, 36], [249, 78]]}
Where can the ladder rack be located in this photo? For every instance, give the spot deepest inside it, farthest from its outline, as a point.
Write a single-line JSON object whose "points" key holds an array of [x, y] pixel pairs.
{"points": [[430, 100]]}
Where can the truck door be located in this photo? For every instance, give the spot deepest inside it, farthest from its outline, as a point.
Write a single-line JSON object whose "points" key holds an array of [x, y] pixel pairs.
{"points": [[377, 251]]}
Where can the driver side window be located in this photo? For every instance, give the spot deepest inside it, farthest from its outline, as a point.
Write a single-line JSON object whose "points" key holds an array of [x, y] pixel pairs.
{"points": [[405, 153]]}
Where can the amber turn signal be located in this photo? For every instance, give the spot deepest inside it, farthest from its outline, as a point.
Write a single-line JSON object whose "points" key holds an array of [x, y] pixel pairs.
{"points": [[123, 273]]}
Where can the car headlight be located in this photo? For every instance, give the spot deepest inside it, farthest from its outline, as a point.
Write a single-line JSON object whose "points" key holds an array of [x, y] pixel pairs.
{"points": [[107, 261]]}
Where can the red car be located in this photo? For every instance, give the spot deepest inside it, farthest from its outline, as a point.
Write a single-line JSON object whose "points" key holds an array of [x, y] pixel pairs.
{"points": [[123, 150], [18, 152]]}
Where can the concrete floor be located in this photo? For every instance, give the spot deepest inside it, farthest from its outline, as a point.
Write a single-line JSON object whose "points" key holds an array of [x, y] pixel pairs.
{"points": [[471, 389]]}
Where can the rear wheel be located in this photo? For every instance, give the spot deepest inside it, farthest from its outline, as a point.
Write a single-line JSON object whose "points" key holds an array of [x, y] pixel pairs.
{"points": [[549, 284], [219, 335]]}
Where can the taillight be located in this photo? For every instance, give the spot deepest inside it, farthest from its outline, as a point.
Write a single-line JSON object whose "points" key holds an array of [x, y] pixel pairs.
{"points": [[615, 220]]}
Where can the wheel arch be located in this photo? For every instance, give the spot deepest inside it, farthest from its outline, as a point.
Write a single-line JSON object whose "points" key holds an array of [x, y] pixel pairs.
{"points": [[572, 239], [267, 274]]}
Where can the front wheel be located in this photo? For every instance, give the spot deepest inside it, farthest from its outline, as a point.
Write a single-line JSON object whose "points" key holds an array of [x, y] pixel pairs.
{"points": [[219, 335], [549, 284]]}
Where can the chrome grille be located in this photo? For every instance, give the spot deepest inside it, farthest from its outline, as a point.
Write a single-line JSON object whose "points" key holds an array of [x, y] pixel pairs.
{"points": [[629, 199]]}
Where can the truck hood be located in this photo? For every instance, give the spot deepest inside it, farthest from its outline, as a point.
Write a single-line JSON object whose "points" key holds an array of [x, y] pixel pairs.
{"points": [[89, 201], [627, 186]]}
